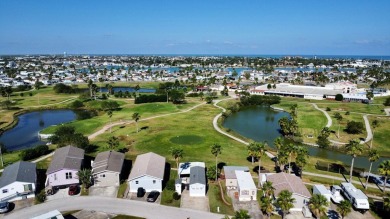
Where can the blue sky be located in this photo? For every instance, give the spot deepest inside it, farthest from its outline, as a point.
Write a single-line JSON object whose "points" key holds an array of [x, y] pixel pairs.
{"points": [[289, 27]]}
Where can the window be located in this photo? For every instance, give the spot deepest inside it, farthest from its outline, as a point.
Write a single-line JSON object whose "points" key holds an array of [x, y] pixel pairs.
{"points": [[68, 175], [154, 181], [136, 182], [5, 190], [27, 187]]}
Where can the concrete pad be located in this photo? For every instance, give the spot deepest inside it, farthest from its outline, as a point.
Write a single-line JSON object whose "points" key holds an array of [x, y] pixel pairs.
{"points": [[60, 194], [86, 214], [252, 207], [106, 191], [133, 196], [196, 203], [17, 205]]}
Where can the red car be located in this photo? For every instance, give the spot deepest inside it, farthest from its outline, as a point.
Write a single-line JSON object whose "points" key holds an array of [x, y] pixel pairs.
{"points": [[73, 190]]}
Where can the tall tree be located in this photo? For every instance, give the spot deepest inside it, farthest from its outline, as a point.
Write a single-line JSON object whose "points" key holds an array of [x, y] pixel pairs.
{"points": [[241, 214], [374, 125], [268, 189], [136, 117], [252, 150], [113, 142], [260, 151], [110, 113], [177, 154], [216, 150], [301, 159], [318, 205], [384, 170], [285, 201], [266, 206], [354, 148], [344, 208], [85, 177], [373, 156]]}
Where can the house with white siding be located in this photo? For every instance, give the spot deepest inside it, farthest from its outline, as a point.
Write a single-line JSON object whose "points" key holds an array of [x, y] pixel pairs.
{"points": [[147, 172], [247, 190], [18, 181]]}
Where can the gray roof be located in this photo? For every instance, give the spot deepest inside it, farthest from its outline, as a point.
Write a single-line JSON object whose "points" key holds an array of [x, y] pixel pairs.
{"points": [[108, 160], [283, 181], [229, 171], [150, 164], [68, 157], [21, 171], [197, 175]]}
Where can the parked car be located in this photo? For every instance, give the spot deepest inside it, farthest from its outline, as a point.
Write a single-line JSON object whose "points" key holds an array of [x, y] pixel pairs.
{"points": [[73, 190], [4, 207], [153, 195], [140, 192]]}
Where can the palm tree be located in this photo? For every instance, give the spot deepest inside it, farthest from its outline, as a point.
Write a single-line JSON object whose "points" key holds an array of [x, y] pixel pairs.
{"points": [[373, 156], [113, 142], [283, 158], [268, 189], [301, 159], [177, 154], [354, 148], [216, 150], [344, 208], [291, 151], [85, 176], [136, 118], [374, 125], [278, 142], [285, 201], [260, 151], [384, 170], [386, 203], [109, 113], [318, 205], [90, 83], [266, 206], [252, 150], [241, 214], [339, 117]]}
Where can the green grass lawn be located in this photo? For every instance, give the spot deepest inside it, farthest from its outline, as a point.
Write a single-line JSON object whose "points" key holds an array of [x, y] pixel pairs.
{"points": [[344, 136], [167, 195], [215, 201], [381, 135], [122, 189]]}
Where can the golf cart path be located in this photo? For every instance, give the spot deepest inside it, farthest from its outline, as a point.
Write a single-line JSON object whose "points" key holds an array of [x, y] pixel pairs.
{"points": [[126, 122]]}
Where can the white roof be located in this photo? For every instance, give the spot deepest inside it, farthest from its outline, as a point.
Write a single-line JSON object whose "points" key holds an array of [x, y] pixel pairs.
{"points": [[245, 180], [184, 168], [322, 189], [50, 215]]}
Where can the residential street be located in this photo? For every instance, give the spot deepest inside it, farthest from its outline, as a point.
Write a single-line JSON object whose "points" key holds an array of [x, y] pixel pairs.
{"points": [[114, 206]]}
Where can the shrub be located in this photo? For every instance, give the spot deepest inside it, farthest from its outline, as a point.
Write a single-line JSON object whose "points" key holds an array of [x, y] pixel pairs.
{"points": [[176, 196], [387, 102], [193, 95], [30, 94], [347, 113], [40, 197], [354, 127], [31, 153], [76, 104], [110, 105], [328, 109], [171, 185], [21, 94], [339, 97], [62, 88]]}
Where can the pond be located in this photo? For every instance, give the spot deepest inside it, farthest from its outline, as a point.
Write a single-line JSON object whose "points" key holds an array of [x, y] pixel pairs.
{"points": [[261, 124], [25, 133]]}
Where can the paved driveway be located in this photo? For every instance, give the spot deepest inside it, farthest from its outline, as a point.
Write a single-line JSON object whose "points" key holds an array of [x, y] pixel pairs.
{"points": [[133, 196], [105, 191], [252, 207], [60, 194], [113, 206], [196, 203]]}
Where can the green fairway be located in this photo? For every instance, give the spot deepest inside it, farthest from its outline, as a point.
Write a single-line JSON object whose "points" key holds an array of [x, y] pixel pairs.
{"points": [[187, 139]]}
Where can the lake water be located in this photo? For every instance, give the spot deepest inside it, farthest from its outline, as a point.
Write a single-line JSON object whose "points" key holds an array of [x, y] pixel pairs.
{"points": [[261, 124], [25, 133]]}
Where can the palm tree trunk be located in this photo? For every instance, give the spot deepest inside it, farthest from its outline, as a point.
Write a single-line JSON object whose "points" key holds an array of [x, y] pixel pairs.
{"points": [[259, 172], [372, 139], [252, 160], [216, 168], [368, 177], [350, 172]]}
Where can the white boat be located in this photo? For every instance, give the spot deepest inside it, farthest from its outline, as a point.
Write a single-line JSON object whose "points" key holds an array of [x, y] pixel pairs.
{"points": [[336, 194]]}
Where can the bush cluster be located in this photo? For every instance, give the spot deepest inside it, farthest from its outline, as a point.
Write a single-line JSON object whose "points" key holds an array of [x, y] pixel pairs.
{"points": [[150, 98], [62, 88], [253, 100], [31, 153]]}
